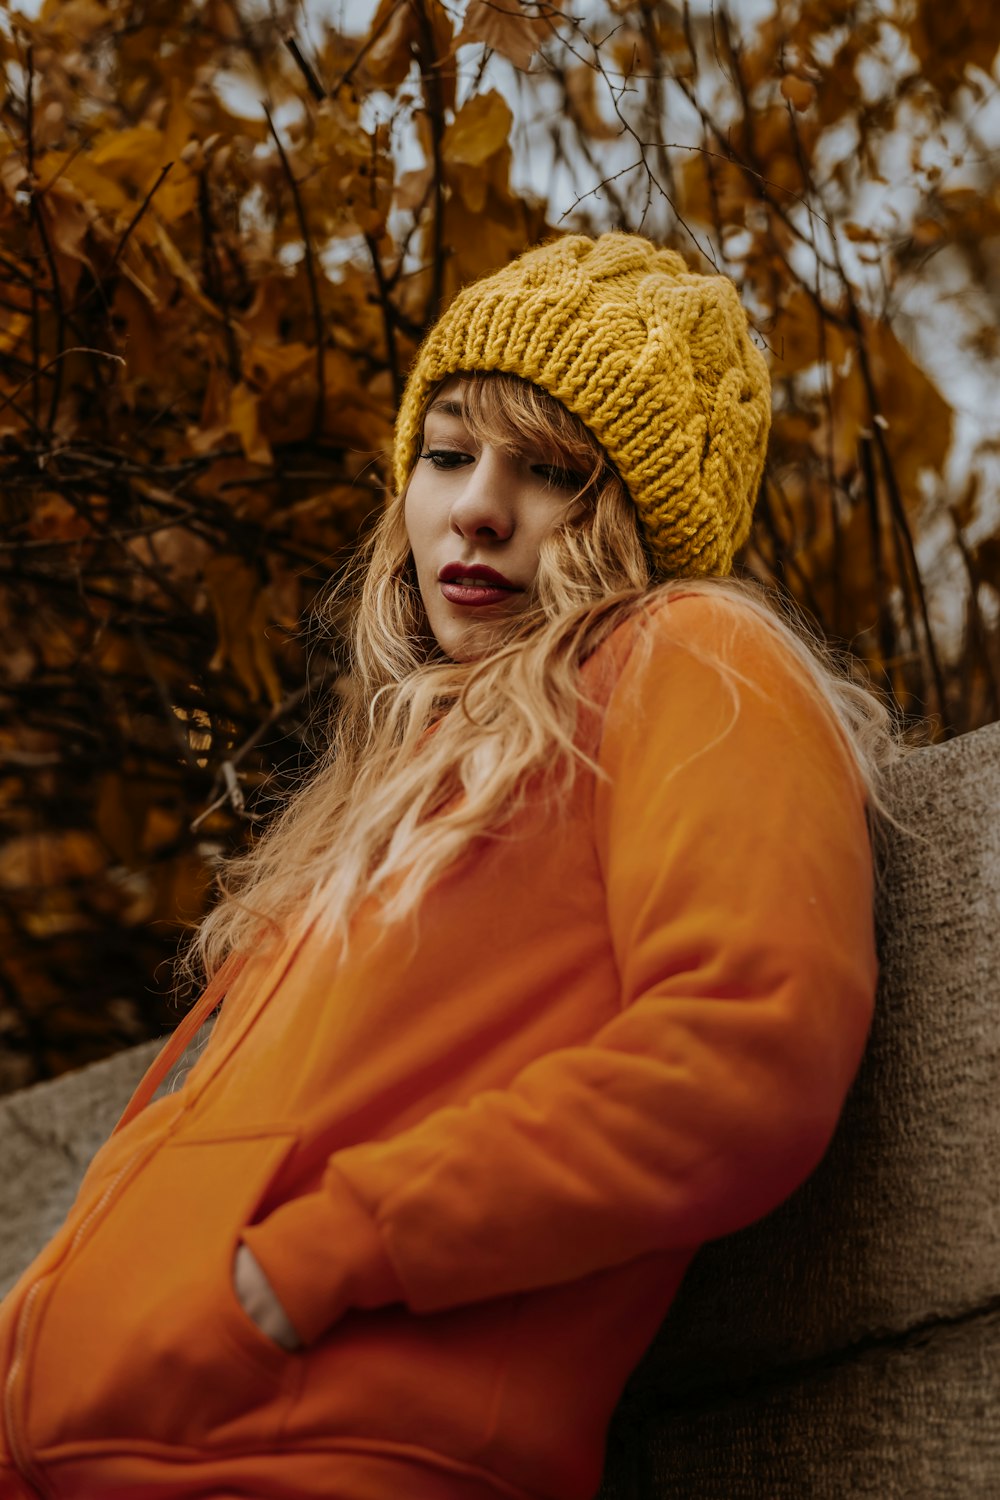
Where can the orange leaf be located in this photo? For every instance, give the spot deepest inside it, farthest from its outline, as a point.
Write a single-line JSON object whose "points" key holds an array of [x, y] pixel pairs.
{"points": [[581, 86], [79, 19], [53, 518], [390, 57], [118, 815], [517, 37], [860, 235], [800, 337], [798, 91]]}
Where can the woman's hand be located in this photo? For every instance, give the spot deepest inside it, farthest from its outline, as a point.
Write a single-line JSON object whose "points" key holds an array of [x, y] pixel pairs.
{"points": [[257, 1298]]}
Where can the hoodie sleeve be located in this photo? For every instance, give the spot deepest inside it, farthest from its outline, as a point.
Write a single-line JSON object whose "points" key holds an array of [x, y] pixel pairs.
{"points": [[732, 839]]}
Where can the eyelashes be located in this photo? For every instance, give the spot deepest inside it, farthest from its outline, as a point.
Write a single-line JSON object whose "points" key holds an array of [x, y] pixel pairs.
{"points": [[564, 478], [449, 459], [438, 456]]}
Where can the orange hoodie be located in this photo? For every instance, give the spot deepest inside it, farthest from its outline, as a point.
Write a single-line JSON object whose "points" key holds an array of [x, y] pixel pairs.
{"points": [[475, 1163]]}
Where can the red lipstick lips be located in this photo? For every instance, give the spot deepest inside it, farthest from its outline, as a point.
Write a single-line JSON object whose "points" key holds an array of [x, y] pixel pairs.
{"points": [[475, 584]]}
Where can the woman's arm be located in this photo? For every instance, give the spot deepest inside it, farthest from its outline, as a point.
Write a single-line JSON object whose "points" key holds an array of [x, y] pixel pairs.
{"points": [[739, 894]]}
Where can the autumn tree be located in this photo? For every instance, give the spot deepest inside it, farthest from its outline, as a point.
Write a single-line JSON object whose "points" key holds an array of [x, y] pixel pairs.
{"points": [[224, 228]]}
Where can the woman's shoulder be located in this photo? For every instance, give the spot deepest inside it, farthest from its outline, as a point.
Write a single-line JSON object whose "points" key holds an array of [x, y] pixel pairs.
{"points": [[700, 661], [714, 624]]}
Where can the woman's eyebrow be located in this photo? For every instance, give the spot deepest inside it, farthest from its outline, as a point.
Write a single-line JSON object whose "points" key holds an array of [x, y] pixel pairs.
{"points": [[445, 408]]}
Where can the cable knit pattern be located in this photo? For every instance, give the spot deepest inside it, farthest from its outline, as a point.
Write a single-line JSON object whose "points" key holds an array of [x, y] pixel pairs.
{"points": [[654, 358]]}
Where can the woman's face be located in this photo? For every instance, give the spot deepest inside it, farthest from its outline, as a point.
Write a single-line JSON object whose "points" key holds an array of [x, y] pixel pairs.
{"points": [[475, 517]]}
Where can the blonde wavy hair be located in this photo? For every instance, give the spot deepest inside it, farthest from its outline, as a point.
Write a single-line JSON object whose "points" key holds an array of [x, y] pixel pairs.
{"points": [[388, 807]]}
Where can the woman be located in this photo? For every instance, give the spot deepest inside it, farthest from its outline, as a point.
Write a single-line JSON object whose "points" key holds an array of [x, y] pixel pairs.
{"points": [[560, 964]]}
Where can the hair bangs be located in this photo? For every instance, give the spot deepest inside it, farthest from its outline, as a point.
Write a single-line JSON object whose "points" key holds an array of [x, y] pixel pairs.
{"points": [[510, 413]]}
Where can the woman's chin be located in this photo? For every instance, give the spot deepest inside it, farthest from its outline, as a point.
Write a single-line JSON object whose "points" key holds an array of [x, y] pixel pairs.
{"points": [[468, 643]]}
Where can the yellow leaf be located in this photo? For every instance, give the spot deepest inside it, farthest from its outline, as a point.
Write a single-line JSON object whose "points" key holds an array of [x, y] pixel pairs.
{"points": [[68, 219], [76, 19], [480, 129], [266, 364], [471, 184], [262, 658], [513, 225], [222, 20], [140, 343], [263, 318], [139, 147], [242, 616], [330, 513], [917, 417], [100, 187], [13, 173], [244, 420], [356, 420], [14, 329], [48, 858], [800, 337], [368, 196], [183, 272]]}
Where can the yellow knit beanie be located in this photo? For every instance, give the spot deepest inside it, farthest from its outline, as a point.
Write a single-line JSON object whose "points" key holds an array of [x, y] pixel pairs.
{"points": [[655, 360]]}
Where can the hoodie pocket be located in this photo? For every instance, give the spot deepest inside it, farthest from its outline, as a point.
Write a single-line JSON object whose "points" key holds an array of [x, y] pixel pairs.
{"points": [[140, 1336]]}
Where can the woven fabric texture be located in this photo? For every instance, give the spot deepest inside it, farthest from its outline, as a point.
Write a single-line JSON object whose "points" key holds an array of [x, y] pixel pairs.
{"points": [[849, 1343]]}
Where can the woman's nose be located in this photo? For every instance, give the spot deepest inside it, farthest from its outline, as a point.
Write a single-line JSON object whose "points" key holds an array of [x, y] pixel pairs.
{"points": [[484, 505]]}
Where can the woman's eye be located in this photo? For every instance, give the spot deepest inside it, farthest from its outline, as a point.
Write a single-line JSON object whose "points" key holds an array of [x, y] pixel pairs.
{"points": [[565, 478], [445, 458]]}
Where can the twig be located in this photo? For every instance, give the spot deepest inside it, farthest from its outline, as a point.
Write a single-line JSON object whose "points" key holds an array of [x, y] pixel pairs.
{"points": [[975, 627], [369, 42], [317, 313], [214, 278], [177, 731], [386, 305], [227, 770], [76, 349], [233, 794], [435, 115], [885, 632], [138, 215], [902, 525], [305, 68], [36, 335]]}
